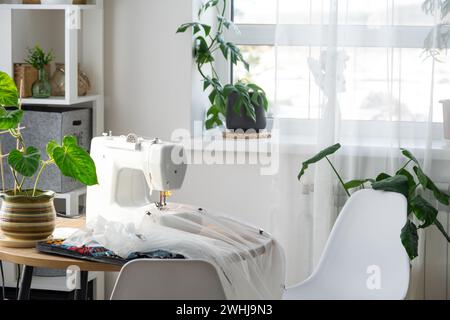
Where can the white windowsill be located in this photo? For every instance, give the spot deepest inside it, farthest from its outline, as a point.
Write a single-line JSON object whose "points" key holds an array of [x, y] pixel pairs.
{"points": [[306, 146], [358, 138]]}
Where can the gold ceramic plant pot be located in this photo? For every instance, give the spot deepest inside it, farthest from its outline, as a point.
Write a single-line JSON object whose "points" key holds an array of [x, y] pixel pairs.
{"points": [[27, 218]]}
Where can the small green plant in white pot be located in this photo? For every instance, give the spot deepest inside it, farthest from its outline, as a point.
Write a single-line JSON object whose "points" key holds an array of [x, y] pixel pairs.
{"points": [[29, 215]]}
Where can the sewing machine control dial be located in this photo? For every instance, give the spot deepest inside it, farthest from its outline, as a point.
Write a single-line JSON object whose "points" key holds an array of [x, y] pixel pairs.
{"points": [[132, 138], [157, 141]]}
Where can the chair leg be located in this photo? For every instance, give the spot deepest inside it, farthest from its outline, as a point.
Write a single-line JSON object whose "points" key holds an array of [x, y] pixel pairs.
{"points": [[25, 283], [82, 294]]}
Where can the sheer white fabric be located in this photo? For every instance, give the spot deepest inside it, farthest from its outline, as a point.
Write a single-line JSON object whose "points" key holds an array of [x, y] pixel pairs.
{"points": [[249, 261], [371, 88]]}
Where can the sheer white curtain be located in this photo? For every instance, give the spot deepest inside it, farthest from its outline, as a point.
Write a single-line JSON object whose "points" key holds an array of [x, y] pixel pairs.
{"points": [[370, 87]]}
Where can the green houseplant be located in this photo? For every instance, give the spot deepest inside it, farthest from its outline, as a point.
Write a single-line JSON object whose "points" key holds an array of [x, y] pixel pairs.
{"points": [[38, 59], [27, 162], [408, 181], [243, 104]]}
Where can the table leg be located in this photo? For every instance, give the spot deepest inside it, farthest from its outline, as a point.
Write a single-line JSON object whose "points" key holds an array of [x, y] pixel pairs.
{"points": [[25, 283], [82, 294]]}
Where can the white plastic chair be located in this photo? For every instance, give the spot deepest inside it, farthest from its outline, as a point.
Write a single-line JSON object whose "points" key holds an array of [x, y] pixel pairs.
{"points": [[364, 258], [168, 280]]}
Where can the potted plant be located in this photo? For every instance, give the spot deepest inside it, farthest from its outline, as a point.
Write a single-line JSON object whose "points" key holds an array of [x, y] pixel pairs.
{"points": [[242, 104], [38, 59], [410, 181], [29, 215]]}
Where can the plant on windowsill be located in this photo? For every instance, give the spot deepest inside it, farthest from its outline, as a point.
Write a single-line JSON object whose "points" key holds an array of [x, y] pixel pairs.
{"points": [[410, 181], [25, 162], [243, 104], [38, 59]]}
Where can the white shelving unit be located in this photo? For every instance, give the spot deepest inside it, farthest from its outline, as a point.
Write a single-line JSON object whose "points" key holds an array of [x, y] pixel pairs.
{"points": [[80, 29], [75, 34]]}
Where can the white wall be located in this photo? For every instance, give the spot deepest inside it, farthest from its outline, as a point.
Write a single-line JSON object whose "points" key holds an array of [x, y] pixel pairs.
{"points": [[147, 66]]}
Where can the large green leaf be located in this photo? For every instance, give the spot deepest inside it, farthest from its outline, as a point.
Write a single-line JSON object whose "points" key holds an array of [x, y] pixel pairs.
{"points": [[202, 53], [409, 176], [356, 184], [235, 55], [424, 211], [75, 162], [208, 4], [423, 179], [259, 96], [70, 141], [397, 184], [318, 157], [427, 183], [410, 239], [196, 27], [227, 23], [10, 120], [25, 163], [213, 118], [51, 146], [382, 176], [9, 96], [410, 156]]}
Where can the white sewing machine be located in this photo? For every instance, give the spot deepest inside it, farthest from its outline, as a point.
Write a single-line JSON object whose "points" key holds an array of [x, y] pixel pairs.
{"points": [[129, 169]]}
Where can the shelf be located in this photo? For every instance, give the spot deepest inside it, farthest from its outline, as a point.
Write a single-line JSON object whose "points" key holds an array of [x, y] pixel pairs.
{"points": [[74, 32], [47, 6], [59, 100]]}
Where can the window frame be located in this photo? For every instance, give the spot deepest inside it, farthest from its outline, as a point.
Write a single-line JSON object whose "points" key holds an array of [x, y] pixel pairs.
{"points": [[310, 35]]}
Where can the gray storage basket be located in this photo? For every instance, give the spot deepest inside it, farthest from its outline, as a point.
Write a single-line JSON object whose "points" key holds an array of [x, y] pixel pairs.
{"points": [[45, 123]]}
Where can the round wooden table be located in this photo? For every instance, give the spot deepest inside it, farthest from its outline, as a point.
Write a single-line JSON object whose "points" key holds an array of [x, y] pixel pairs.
{"points": [[31, 258]]}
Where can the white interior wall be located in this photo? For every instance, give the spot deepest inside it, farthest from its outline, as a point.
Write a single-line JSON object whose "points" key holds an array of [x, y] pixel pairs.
{"points": [[44, 27], [147, 67]]}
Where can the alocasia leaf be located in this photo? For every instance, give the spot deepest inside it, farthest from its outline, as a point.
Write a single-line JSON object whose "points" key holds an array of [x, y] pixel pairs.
{"points": [[357, 183], [75, 162], [318, 157], [51, 146], [427, 183], [424, 211], [397, 184], [382, 176], [10, 120], [9, 96], [25, 163], [410, 156], [410, 239]]}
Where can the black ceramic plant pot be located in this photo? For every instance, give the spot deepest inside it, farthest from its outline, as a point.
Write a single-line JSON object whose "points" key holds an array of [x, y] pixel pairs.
{"points": [[241, 121]]}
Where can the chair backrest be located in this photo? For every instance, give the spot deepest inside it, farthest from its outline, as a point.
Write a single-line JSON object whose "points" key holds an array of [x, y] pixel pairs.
{"points": [[364, 257], [168, 280]]}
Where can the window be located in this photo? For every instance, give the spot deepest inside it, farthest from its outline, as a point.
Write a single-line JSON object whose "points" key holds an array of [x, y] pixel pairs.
{"points": [[383, 41]]}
